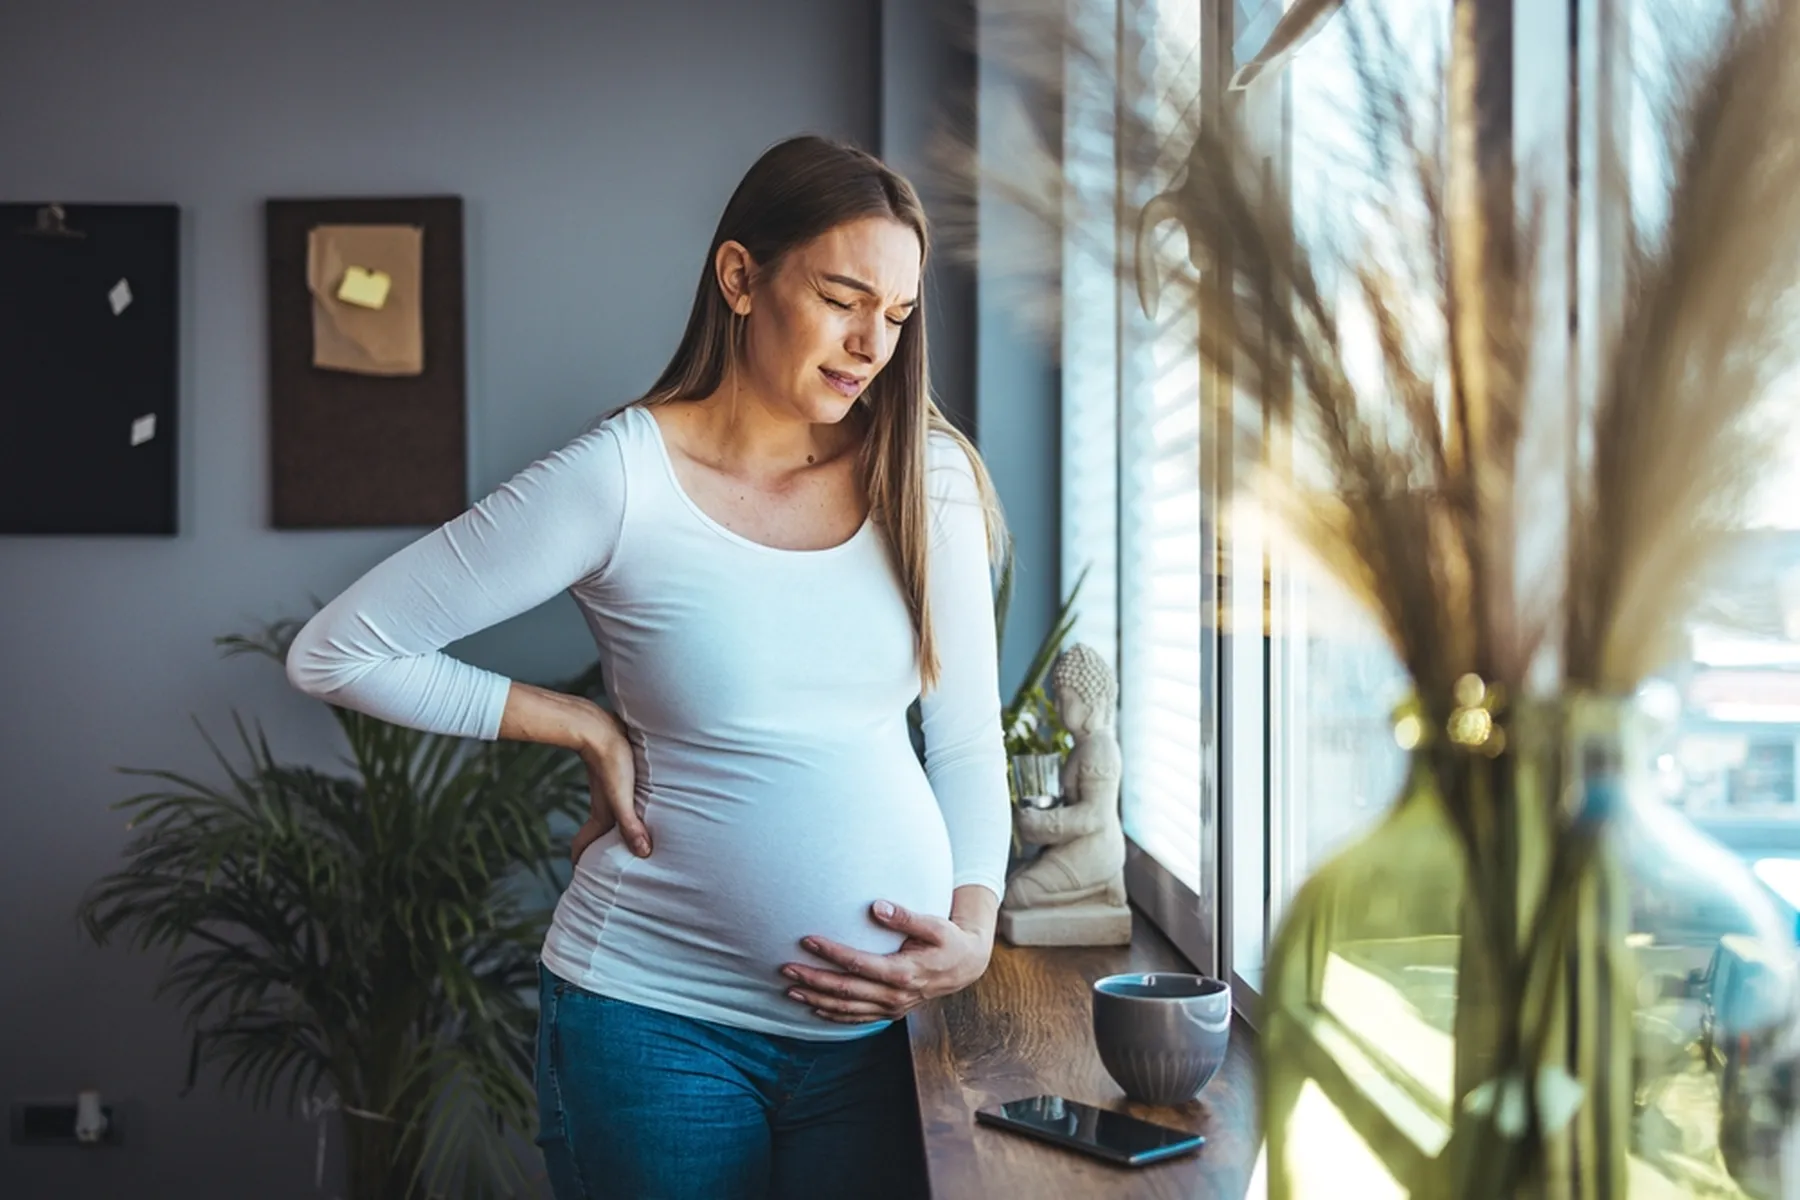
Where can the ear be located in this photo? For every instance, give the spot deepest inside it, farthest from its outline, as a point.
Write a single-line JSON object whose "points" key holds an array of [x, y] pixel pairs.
{"points": [[736, 273]]}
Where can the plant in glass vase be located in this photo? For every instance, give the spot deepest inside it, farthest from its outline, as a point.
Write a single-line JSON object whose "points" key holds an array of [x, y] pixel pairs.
{"points": [[1036, 738]]}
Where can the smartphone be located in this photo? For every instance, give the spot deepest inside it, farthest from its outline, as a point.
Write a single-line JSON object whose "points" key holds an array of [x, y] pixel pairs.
{"points": [[1114, 1136]]}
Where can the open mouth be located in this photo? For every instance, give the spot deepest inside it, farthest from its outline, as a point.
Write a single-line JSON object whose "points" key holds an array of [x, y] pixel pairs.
{"points": [[848, 385]]}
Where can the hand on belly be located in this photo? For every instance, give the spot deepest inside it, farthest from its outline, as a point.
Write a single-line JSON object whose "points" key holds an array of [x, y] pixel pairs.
{"points": [[936, 957]]}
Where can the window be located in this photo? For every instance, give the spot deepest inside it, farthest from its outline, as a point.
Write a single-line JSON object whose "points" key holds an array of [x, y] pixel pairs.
{"points": [[1167, 651], [1132, 481], [1240, 747], [1255, 701], [1333, 682], [1732, 701]]}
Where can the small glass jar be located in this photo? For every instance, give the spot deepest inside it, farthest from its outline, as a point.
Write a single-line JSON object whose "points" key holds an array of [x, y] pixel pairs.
{"points": [[1037, 780]]}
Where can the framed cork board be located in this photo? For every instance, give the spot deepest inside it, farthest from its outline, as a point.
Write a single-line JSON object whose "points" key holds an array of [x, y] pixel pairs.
{"points": [[367, 409], [89, 334]]}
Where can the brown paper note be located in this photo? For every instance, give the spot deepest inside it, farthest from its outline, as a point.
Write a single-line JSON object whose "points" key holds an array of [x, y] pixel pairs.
{"points": [[347, 337]]}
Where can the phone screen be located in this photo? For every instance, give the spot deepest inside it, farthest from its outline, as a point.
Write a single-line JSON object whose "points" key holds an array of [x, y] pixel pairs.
{"points": [[1118, 1136]]}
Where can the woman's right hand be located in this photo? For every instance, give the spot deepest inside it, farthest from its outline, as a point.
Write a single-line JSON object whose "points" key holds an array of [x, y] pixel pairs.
{"points": [[612, 788]]}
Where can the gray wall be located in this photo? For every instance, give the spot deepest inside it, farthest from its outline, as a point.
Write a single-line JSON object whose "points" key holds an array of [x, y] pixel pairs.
{"points": [[1018, 384], [936, 81], [928, 80], [594, 144]]}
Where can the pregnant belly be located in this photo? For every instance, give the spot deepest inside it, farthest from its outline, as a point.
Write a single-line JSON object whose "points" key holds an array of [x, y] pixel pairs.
{"points": [[739, 876]]}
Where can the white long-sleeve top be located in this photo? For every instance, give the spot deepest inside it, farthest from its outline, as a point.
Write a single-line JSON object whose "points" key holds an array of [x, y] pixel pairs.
{"points": [[765, 691]]}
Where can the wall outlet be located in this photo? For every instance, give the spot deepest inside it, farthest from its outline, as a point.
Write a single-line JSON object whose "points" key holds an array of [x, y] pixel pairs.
{"points": [[52, 1123]]}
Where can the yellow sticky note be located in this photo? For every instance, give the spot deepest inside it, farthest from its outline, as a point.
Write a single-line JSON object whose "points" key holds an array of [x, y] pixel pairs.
{"points": [[364, 288]]}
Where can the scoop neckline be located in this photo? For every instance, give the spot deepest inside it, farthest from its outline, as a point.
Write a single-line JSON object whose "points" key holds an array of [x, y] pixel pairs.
{"points": [[730, 535]]}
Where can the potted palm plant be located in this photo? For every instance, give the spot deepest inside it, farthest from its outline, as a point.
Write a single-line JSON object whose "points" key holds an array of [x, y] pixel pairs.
{"points": [[362, 941]]}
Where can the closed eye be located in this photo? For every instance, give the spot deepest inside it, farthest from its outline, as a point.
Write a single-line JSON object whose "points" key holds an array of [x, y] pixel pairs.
{"points": [[896, 322]]}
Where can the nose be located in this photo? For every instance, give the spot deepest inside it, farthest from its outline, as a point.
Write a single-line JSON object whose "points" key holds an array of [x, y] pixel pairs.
{"points": [[870, 340]]}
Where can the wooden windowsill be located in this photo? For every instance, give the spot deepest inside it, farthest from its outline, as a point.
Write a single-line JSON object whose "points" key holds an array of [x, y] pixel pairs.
{"points": [[1026, 1028]]}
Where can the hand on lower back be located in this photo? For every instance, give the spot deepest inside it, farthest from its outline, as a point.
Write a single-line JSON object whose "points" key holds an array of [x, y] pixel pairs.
{"points": [[612, 790]]}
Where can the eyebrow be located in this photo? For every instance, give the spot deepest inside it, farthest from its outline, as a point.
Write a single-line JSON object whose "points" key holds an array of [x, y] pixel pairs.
{"points": [[860, 286]]}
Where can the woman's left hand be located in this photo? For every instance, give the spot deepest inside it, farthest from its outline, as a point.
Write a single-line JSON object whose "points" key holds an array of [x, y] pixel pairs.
{"points": [[937, 958]]}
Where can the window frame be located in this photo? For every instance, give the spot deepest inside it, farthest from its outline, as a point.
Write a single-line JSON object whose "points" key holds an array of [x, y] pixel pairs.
{"points": [[1190, 919]]}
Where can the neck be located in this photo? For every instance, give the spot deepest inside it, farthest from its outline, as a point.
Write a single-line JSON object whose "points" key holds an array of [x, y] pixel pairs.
{"points": [[741, 432]]}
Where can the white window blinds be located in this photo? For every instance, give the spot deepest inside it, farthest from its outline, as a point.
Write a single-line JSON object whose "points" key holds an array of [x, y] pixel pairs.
{"points": [[1163, 575]]}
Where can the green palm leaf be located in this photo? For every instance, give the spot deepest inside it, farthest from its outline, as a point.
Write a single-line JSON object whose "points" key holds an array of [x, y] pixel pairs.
{"points": [[371, 935]]}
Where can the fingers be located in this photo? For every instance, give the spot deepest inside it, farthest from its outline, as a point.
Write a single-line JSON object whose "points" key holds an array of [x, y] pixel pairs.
{"points": [[886, 969], [838, 996], [844, 1018], [847, 1011], [591, 831], [611, 783], [923, 926]]}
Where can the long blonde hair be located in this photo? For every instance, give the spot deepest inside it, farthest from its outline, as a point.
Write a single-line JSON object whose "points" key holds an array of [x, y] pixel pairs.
{"points": [[798, 190]]}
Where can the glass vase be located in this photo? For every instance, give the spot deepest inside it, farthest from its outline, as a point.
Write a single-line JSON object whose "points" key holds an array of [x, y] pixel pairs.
{"points": [[1037, 780], [1533, 978]]}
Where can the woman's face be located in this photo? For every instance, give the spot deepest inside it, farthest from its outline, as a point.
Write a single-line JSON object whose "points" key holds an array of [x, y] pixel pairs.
{"points": [[828, 318]]}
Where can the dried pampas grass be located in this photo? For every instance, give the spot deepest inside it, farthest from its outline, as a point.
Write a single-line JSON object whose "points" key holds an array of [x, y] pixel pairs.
{"points": [[1420, 491], [1698, 392]]}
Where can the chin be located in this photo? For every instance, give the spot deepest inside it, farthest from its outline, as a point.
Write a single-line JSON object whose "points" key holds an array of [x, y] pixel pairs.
{"points": [[826, 409]]}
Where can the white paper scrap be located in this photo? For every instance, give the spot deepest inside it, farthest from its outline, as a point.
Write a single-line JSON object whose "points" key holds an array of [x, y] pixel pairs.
{"points": [[120, 296], [143, 429]]}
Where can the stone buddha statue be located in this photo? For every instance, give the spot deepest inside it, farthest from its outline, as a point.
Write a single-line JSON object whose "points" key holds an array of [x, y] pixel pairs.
{"points": [[1073, 893]]}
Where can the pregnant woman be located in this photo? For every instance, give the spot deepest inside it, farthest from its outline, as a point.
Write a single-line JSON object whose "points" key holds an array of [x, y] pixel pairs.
{"points": [[777, 550]]}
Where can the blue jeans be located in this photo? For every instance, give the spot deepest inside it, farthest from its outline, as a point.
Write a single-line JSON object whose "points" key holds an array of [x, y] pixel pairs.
{"points": [[639, 1104]]}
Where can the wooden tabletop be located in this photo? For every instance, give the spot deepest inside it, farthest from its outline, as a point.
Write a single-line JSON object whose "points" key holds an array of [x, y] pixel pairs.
{"points": [[1025, 1029]]}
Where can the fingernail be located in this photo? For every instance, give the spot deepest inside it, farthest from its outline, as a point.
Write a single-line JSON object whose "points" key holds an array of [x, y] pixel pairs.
{"points": [[790, 972], [642, 846], [883, 909], [810, 945], [794, 994]]}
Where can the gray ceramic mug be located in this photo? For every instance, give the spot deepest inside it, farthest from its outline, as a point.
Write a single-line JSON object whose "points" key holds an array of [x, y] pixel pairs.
{"points": [[1162, 1035]]}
